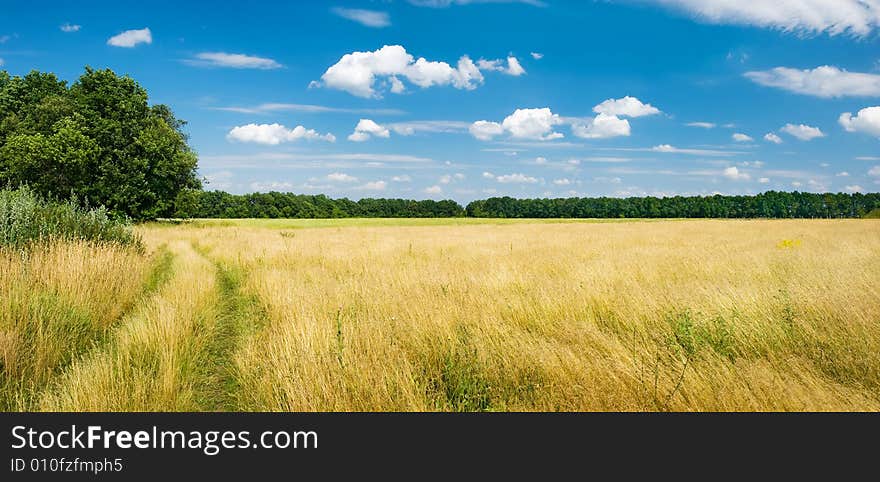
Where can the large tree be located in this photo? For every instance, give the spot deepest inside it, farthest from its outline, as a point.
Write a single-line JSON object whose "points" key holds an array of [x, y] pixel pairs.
{"points": [[98, 139]]}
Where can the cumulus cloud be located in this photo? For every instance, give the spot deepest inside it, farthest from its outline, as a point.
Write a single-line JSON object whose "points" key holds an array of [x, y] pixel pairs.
{"points": [[69, 28], [537, 55], [234, 61], [764, 180], [535, 124], [513, 67], [131, 38], [341, 177], [358, 72], [734, 173], [367, 128], [434, 190], [626, 107], [771, 137], [516, 178], [802, 132], [866, 120], [274, 134], [834, 17], [562, 182], [825, 81], [367, 18], [602, 126], [374, 186], [854, 188], [740, 137], [485, 130], [401, 178], [874, 171]]}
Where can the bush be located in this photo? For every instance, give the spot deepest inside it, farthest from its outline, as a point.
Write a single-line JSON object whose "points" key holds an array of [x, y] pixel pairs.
{"points": [[26, 219]]}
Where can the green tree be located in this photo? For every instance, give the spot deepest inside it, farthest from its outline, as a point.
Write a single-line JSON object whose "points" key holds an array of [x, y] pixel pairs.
{"points": [[99, 139]]}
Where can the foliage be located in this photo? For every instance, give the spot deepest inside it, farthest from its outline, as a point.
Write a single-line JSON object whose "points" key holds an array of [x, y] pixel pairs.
{"points": [[25, 219], [218, 204], [97, 139], [771, 204]]}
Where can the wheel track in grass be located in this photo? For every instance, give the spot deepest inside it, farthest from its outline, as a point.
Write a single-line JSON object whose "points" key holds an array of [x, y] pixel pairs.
{"points": [[237, 317]]}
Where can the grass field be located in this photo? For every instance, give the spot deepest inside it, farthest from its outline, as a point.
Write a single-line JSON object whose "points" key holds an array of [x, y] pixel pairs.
{"points": [[459, 315]]}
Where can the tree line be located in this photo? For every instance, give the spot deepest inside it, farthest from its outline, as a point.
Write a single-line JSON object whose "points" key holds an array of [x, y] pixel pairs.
{"points": [[771, 204]]}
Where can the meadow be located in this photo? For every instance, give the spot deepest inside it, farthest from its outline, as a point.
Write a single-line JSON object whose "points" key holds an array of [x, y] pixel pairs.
{"points": [[448, 315]]}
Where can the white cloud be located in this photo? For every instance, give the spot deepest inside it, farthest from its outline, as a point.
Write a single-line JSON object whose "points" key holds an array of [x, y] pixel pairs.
{"points": [[854, 188], [602, 126], [702, 125], [488, 175], [402, 178], [445, 179], [412, 127], [265, 186], [626, 107], [68, 28], [234, 61], [374, 186], [367, 18], [535, 124], [764, 180], [802, 132], [734, 173], [537, 55], [866, 120], [341, 177], [447, 3], [874, 171], [516, 179], [825, 81], [131, 38], [274, 134], [1, 62], [562, 182], [357, 72], [366, 128], [842, 174], [771, 137], [311, 108], [856, 17], [485, 130], [796, 184], [868, 158], [666, 148], [540, 161], [513, 68], [740, 137], [434, 190]]}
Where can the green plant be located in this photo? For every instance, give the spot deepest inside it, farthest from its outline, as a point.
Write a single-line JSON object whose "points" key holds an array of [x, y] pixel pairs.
{"points": [[26, 219]]}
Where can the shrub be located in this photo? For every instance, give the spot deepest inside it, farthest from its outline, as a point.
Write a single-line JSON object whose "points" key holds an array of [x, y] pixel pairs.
{"points": [[26, 219]]}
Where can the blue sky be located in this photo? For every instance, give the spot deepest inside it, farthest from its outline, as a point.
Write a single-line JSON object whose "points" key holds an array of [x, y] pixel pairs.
{"points": [[470, 99]]}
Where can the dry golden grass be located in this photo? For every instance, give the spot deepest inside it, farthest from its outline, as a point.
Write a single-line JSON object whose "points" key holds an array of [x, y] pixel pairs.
{"points": [[677, 315], [685, 315], [54, 304]]}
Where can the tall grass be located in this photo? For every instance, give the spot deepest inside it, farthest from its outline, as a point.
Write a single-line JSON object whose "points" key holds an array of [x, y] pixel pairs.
{"points": [[26, 219], [684, 315]]}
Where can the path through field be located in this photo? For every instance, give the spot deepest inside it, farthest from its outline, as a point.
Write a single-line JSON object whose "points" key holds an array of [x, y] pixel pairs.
{"points": [[683, 315], [173, 351]]}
